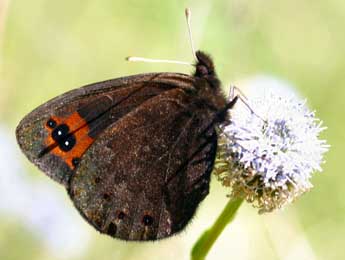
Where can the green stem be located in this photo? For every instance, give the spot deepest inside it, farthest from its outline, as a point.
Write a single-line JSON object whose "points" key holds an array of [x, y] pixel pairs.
{"points": [[207, 239]]}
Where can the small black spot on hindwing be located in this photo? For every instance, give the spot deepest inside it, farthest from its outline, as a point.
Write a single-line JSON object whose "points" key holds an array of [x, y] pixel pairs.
{"points": [[112, 229], [121, 215], [147, 220], [106, 196], [97, 180]]}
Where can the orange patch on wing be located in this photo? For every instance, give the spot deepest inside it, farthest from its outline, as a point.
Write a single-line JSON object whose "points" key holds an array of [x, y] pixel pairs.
{"points": [[80, 129]]}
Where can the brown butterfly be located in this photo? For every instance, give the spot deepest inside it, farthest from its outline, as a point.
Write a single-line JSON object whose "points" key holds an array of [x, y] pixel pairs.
{"points": [[134, 153]]}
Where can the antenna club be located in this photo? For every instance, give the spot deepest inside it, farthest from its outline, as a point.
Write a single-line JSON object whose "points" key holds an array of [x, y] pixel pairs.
{"points": [[188, 18], [187, 12]]}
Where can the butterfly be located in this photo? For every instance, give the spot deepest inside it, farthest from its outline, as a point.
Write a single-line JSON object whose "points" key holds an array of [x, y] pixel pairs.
{"points": [[134, 153]]}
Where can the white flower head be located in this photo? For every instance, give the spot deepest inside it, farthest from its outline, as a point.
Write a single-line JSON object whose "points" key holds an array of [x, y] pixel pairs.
{"points": [[270, 162]]}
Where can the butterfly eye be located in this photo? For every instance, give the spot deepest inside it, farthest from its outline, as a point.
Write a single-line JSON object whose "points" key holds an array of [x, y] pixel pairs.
{"points": [[51, 123], [147, 220], [202, 71]]}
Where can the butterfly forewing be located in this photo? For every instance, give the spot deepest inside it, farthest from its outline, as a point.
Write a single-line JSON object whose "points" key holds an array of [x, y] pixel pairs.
{"points": [[80, 115]]}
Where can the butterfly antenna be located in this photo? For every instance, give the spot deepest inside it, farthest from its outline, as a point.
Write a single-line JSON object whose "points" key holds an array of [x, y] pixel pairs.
{"points": [[188, 14], [132, 58]]}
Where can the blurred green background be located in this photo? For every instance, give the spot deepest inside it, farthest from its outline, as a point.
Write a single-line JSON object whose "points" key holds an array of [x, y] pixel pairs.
{"points": [[49, 47]]}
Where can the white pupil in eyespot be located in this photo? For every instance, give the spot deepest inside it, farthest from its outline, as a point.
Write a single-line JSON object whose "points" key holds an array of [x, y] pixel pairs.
{"points": [[67, 143], [59, 132]]}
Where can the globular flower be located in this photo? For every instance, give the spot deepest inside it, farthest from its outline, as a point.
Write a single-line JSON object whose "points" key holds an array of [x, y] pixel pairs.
{"points": [[268, 157]]}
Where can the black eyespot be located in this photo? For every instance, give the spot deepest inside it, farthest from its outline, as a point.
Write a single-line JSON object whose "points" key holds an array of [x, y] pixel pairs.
{"points": [[51, 123], [147, 220], [106, 196], [75, 161], [121, 215], [98, 222], [112, 229], [60, 133], [97, 180], [66, 144]]}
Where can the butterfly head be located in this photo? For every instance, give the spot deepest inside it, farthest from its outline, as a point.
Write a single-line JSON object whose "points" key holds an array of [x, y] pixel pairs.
{"points": [[204, 69], [204, 65]]}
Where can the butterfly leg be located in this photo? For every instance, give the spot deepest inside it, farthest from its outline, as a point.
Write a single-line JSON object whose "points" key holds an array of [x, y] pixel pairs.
{"points": [[240, 95]]}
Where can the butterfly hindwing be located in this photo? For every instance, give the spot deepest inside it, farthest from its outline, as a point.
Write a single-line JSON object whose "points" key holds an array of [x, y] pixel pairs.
{"points": [[57, 134], [144, 176]]}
